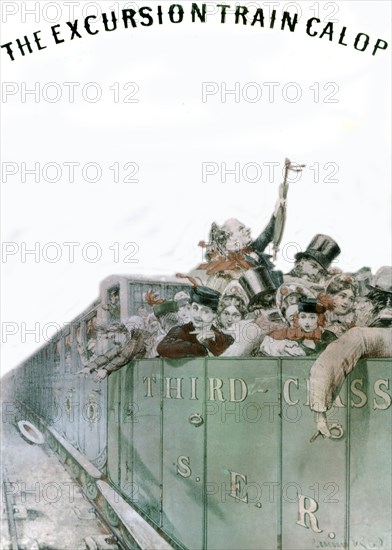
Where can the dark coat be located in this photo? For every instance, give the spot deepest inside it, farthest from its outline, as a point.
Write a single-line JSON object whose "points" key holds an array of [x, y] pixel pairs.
{"points": [[263, 240], [326, 338], [179, 343], [260, 244]]}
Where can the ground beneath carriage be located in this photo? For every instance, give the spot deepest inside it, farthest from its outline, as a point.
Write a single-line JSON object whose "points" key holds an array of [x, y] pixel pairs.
{"points": [[42, 506]]}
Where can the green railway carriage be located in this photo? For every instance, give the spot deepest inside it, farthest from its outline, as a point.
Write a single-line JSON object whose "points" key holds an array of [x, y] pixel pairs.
{"points": [[214, 453]]}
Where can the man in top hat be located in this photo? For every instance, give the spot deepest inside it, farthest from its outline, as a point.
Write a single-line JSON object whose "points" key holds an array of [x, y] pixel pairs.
{"points": [[313, 264], [200, 337], [340, 357]]}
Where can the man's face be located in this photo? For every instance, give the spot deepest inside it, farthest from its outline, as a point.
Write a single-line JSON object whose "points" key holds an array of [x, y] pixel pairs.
{"points": [[202, 316], [310, 269], [238, 235]]}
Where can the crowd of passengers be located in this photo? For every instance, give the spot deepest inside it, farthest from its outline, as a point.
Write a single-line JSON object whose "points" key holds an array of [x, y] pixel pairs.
{"points": [[238, 304]]}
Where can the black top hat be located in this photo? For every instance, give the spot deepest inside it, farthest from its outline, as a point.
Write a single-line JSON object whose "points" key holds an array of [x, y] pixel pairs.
{"points": [[310, 305], [205, 296], [323, 249], [260, 281]]}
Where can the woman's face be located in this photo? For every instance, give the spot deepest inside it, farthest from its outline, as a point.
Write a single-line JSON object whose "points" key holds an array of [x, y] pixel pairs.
{"points": [[307, 321], [290, 314], [185, 313], [229, 316], [344, 301]]}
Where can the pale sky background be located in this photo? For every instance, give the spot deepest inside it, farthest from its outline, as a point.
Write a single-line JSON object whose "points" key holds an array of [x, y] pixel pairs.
{"points": [[170, 132]]}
